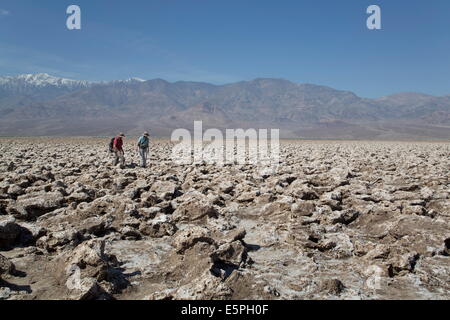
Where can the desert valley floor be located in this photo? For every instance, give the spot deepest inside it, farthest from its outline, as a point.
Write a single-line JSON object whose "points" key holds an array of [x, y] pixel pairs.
{"points": [[339, 220]]}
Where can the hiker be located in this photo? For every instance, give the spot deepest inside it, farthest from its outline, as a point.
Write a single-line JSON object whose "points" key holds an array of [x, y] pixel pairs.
{"points": [[119, 154], [143, 148]]}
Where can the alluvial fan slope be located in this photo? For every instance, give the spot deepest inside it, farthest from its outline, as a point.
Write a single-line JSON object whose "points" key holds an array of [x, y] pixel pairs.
{"points": [[339, 220]]}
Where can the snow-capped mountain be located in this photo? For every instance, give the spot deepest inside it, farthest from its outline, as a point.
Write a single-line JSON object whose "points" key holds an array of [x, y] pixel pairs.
{"points": [[29, 88], [135, 80], [127, 81], [41, 80], [26, 89]]}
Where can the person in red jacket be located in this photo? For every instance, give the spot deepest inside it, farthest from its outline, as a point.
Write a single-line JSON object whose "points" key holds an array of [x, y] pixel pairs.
{"points": [[119, 154]]}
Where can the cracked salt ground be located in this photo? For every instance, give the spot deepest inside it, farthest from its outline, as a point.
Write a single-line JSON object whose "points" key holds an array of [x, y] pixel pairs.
{"points": [[139, 257], [339, 220], [284, 272]]}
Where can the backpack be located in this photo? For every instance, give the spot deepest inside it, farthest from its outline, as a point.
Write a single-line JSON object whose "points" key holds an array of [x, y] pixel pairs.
{"points": [[143, 142], [111, 145]]}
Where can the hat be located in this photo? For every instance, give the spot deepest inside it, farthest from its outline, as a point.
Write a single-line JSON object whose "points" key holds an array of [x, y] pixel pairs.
{"points": [[121, 135], [146, 133]]}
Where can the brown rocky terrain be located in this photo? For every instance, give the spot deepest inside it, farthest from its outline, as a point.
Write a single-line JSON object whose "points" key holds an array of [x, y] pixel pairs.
{"points": [[339, 220]]}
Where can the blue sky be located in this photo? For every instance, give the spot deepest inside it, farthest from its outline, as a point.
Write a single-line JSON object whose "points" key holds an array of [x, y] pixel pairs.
{"points": [[306, 41]]}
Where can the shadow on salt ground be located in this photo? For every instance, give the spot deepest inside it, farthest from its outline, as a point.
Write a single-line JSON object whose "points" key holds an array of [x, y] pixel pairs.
{"points": [[252, 247], [223, 270], [14, 287], [121, 279]]}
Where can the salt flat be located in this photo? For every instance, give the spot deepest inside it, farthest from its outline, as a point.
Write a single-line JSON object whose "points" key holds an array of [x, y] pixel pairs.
{"points": [[338, 220]]}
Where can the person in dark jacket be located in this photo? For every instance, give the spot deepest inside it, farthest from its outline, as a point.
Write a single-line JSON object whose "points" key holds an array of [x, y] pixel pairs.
{"points": [[119, 154]]}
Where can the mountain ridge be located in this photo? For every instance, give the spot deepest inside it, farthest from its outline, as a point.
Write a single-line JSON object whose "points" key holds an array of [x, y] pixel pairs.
{"points": [[57, 106]]}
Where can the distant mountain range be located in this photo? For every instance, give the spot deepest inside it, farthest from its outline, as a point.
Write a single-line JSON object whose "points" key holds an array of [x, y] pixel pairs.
{"points": [[44, 105]]}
